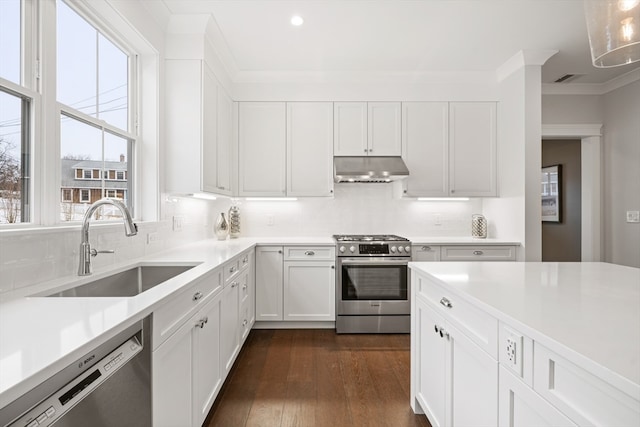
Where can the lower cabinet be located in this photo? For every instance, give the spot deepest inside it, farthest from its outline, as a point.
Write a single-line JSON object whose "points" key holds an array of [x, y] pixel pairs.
{"points": [[295, 283], [457, 381], [520, 406], [186, 375], [190, 364]]}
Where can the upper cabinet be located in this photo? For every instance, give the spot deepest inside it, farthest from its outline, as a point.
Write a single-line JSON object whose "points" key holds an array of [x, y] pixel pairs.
{"points": [[472, 149], [262, 149], [449, 148], [285, 149], [367, 129], [198, 129], [309, 149]]}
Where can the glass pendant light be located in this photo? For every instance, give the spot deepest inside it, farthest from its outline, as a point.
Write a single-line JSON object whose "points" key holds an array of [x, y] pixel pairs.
{"points": [[614, 31]]}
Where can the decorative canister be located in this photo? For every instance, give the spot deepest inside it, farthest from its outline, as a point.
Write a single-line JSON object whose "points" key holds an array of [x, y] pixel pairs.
{"points": [[478, 226], [221, 227], [234, 221]]}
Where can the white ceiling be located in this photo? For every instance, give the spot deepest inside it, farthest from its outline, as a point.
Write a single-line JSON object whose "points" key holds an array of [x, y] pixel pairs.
{"points": [[395, 37]]}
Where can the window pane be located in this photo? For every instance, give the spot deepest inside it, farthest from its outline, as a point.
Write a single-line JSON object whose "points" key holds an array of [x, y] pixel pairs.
{"points": [[92, 71], [10, 40], [14, 152], [116, 155], [113, 72], [81, 150]]}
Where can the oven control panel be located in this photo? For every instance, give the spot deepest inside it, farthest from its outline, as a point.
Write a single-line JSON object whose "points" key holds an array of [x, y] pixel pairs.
{"points": [[375, 249]]}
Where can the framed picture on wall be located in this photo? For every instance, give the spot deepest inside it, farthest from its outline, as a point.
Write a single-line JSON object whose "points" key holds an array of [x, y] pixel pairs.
{"points": [[551, 193]]}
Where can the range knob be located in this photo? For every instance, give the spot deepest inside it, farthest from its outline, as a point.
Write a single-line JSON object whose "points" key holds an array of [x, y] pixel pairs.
{"points": [[352, 248], [400, 249], [342, 249], [393, 249], [407, 249]]}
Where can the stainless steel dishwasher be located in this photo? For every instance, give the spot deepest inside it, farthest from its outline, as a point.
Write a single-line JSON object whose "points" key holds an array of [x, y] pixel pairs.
{"points": [[108, 387]]}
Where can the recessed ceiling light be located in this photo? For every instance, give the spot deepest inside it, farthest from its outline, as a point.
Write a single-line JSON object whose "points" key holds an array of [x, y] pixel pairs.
{"points": [[297, 20]]}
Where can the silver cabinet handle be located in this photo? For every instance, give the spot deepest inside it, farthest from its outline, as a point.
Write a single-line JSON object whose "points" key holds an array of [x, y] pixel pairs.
{"points": [[244, 287], [279, 252], [425, 248], [365, 150], [200, 323], [197, 296], [446, 302], [245, 322], [333, 267], [245, 260], [234, 284], [435, 328], [444, 334], [309, 253], [478, 252], [232, 269]]}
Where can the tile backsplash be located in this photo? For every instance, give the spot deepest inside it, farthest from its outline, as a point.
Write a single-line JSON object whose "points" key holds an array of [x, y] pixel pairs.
{"points": [[30, 257]]}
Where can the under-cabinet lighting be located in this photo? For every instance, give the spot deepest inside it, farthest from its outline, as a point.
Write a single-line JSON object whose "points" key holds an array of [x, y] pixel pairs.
{"points": [[443, 199], [271, 199], [204, 196]]}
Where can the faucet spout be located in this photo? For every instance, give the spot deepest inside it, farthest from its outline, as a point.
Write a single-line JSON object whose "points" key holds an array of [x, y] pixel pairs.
{"points": [[130, 229]]}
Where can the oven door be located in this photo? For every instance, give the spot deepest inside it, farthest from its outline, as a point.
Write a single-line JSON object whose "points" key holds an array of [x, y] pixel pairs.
{"points": [[372, 286]]}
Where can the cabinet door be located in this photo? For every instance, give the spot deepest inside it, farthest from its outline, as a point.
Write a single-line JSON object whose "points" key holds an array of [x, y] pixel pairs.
{"points": [[209, 120], [224, 143], [473, 390], [472, 149], [229, 326], [520, 406], [384, 125], [350, 129], [425, 148], [172, 403], [269, 283], [309, 290], [207, 378], [262, 149], [309, 148], [430, 364]]}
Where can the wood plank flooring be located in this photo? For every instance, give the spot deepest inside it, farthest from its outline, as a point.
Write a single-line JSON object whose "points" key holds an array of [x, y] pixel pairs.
{"points": [[317, 378]]}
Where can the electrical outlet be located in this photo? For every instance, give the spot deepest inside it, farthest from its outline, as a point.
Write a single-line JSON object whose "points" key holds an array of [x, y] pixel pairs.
{"points": [[177, 222], [511, 350], [152, 237], [271, 220], [437, 220], [513, 347], [633, 216]]}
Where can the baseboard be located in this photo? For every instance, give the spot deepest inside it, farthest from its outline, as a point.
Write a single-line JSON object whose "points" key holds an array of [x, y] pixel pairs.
{"points": [[294, 325]]}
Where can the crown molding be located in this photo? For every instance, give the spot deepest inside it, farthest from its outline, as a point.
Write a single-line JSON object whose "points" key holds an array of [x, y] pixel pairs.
{"points": [[522, 59], [571, 130], [591, 88]]}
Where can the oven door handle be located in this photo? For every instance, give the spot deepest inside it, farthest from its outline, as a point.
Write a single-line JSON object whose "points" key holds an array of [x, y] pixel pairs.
{"points": [[374, 261]]}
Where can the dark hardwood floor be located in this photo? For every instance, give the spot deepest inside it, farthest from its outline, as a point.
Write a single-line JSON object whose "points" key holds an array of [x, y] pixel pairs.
{"points": [[317, 378]]}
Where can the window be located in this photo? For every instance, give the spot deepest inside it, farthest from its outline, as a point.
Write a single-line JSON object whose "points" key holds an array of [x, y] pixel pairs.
{"points": [[67, 195], [85, 196], [93, 91], [10, 41]]}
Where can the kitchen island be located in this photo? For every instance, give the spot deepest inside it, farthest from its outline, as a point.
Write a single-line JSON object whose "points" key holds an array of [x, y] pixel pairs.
{"points": [[526, 343]]}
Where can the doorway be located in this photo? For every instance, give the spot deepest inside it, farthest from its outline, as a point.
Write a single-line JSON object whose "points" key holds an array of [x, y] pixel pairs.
{"points": [[561, 240]]}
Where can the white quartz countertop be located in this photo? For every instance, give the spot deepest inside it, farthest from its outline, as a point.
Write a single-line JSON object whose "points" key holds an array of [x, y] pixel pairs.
{"points": [[590, 310], [451, 241]]}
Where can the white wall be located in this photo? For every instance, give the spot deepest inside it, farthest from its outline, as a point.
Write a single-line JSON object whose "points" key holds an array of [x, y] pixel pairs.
{"points": [[622, 174], [571, 109]]}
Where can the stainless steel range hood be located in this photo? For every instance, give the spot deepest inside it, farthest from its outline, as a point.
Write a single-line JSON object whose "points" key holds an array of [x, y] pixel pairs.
{"points": [[371, 169]]}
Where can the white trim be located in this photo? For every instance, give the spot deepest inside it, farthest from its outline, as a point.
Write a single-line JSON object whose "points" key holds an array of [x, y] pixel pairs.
{"points": [[591, 188], [591, 88]]}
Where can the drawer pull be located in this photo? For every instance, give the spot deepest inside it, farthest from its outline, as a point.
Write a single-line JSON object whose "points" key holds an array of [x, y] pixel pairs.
{"points": [[200, 324], [232, 269], [425, 248], [445, 301], [309, 253], [444, 334], [435, 327], [244, 287], [197, 296], [245, 322], [245, 260], [478, 252], [234, 284]]}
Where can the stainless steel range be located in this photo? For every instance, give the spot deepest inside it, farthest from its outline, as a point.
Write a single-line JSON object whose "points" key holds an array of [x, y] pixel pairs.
{"points": [[372, 284]]}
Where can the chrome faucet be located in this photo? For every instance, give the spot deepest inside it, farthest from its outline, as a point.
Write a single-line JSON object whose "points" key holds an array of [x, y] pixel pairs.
{"points": [[130, 229]]}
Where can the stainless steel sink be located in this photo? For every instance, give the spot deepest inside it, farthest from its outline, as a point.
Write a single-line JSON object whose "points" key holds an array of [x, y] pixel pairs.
{"points": [[127, 283]]}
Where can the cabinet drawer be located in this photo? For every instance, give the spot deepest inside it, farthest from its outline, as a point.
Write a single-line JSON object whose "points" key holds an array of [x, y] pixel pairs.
{"points": [[170, 316], [230, 270], [582, 396], [309, 253], [245, 260], [479, 326], [478, 253], [425, 253]]}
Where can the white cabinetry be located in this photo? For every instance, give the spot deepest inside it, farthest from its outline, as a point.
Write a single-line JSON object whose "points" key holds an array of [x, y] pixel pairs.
{"points": [[494, 252], [425, 148], [472, 149], [457, 381], [197, 128], [262, 149], [425, 253], [309, 284], [367, 129], [309, 149], [269, 283], [449, 148], [295, 283], [186, 375]]}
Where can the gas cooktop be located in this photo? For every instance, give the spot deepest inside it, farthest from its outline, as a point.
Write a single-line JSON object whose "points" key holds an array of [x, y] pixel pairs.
{"points": [[369, 238]]}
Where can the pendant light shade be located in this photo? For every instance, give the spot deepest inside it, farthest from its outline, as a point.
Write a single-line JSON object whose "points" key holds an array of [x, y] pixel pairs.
{"points": [[614, 31]]}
